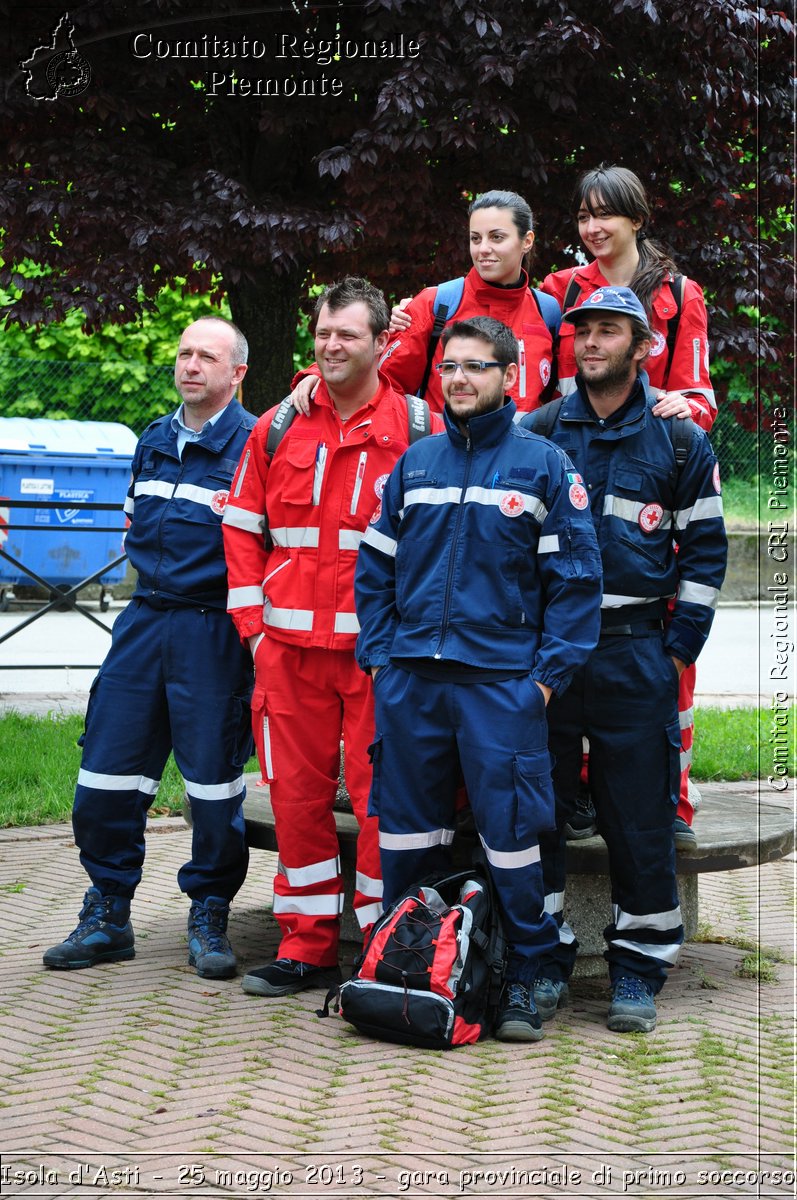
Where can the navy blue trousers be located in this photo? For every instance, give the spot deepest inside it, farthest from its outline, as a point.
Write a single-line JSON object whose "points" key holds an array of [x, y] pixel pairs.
{"points": [[497, 733], [625, 701], [173, 679]]}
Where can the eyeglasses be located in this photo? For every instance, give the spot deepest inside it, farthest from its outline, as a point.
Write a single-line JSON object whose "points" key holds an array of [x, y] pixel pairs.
{"points": [[473, 366]]}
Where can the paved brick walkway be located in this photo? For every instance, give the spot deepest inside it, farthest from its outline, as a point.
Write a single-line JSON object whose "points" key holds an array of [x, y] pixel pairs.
{"points": [[188, 1088]]}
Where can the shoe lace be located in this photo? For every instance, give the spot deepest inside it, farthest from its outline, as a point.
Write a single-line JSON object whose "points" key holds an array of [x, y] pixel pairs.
{"points": [[95, 911], [209, 924], [517, 995], [294, 967], [630, 988]]}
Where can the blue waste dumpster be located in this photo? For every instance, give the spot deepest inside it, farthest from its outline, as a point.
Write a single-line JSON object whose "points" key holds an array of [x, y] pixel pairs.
{"points": [[54, 466]]}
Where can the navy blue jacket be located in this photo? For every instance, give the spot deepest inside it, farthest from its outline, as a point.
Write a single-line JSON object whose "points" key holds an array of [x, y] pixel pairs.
{"points": [[641, 504], [175, 509], [480, 556]]}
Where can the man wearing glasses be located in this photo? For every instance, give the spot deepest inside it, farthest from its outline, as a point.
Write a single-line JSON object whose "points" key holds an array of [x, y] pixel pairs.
{"points": [[478, 595]]}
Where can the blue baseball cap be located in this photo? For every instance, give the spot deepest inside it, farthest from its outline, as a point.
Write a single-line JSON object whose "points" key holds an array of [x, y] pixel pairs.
{"points": [[611, 299]]}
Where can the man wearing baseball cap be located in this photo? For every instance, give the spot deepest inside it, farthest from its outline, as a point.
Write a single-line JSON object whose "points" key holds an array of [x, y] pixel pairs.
{"points": [[649, 483]]}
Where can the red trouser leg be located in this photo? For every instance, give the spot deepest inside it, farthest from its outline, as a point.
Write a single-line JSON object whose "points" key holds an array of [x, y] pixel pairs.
{"points": [[686, 717], [358, 734]]}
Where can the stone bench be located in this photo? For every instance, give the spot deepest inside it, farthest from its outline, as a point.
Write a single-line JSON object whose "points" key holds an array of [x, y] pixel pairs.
{"points": [[734, 830]]}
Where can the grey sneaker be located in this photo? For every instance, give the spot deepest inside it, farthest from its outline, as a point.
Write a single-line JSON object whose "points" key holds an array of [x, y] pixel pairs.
{"points": [[209, 949], [286, 976], [518, 1019], [685, 837], [549, 994], [633, 1009], [103, 934]]}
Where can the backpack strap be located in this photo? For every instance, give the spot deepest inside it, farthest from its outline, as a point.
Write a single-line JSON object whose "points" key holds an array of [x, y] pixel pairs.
{"points": [[677, 289], [549, 310], [572, 293], [283, 419], [448, 297], [681, 431], [419, 418], [543, 419]]}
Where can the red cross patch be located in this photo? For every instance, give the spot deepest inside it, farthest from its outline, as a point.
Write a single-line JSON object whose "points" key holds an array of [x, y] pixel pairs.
{"points": [[219, 502], [715, 479], [578, 495], [377, 514], [512, 504], [379, 485], [657, 344], [650, 517], [545, 371]]}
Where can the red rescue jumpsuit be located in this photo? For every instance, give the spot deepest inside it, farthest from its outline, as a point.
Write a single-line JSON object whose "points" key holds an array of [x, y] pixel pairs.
{"points": [[292, 529]]}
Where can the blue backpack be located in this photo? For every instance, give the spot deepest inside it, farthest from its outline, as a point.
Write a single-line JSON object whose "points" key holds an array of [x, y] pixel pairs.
{"points": [[448, 297]]}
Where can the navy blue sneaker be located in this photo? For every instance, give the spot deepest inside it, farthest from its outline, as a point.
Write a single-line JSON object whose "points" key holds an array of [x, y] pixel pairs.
{"points": [[549, 994], [103, 934], [583, 822], [633, 1009], [209, 949], [286, 976], [518, 1019]]}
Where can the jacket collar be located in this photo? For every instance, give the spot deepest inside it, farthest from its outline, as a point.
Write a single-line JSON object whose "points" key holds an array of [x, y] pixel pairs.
{"points": [[488, 429], [576, 407], [487, 291], [214, 438]]}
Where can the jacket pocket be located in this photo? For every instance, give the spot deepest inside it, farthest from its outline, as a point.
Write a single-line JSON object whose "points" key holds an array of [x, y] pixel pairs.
{"points": [[296, 481], [534, 798], [375, 755]]}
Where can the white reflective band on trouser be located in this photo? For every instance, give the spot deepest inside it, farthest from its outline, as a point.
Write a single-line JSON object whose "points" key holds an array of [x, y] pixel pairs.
{"points": [[215, 791], [554, 903], [118, 783], [707, 509], [245, 597], [686, 758], [366, 914], [511, 860], [686, 718], [669, 954], [548, 544], [379, 542], [295, 537], [243, 518], [129, 506], [309, 906], [662, 920], [346, 623], [610, 601], [318, 872], [415, 841], [698, 593], [566, 935], [367, 885], [288, 618]]}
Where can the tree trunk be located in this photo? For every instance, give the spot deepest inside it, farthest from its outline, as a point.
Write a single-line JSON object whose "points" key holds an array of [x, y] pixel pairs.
{"points": [[266, 309]]}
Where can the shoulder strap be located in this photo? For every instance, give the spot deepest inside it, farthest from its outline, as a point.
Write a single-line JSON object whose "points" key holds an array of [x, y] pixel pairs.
{"points": [[283, 419], [681, 431], [447, 300], [419, 418], [549, 310], [572, 292], [677, 289], [543, 419]]}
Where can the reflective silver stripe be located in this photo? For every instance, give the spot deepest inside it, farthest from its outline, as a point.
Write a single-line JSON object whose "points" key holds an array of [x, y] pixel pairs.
{"points": [[245, 597], [258, 639], [707, 509], [215, 791], [318, 872], [707, 393], [697, 354], [668, 953], [610, 601], [379, 541], [118, 783], [548, 544], [130, 505], [629, 510], [554, 902], [366, 914], [494, 496], [566, 384], [267, 749], [566, 935], [346, 622], [309, 906], [197, 495], [686, 758], [295, 537], [154, 487], [686, 718], [242, 518], [416, 841], [367, 885], [349, 539], [698, 593], [511, 860], [670, 919], [421, 495], [288, 618], [240, 481]]}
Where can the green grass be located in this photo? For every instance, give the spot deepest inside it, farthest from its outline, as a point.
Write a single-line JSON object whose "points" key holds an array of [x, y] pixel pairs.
{"points": [[40, 760], [39, 765], [744, 502]]}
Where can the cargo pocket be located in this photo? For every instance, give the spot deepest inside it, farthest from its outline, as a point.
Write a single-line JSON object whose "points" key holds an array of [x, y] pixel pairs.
{"points": [[534, 799], [375, 755], [673, 732]]}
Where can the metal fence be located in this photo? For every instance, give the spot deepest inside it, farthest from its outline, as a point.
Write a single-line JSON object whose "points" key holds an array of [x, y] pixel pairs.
{"points": [[136, 393]]}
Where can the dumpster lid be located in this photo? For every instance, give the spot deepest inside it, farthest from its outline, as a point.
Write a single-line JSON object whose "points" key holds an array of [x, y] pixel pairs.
{"points": [[47, 436]]}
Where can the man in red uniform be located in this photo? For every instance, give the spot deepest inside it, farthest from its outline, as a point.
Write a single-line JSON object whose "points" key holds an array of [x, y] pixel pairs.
{"points": [[292, 529]]}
